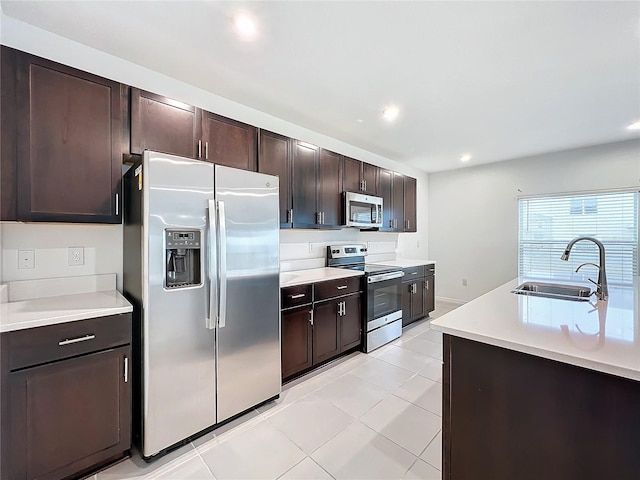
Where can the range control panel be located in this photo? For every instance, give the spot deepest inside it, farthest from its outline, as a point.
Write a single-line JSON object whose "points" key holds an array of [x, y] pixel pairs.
{"points": [[183, 239], [342, 251]]}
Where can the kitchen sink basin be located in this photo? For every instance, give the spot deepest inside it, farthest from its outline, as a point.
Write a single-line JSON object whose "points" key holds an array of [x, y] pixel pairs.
{"points": [[554, 290]]}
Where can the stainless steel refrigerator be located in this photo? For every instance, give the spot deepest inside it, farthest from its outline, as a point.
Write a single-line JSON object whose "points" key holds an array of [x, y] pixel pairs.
{"points": [[201, 266]]}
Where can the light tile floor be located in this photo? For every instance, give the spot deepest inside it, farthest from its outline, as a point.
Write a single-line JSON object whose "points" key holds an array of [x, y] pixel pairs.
{"points": [[375, 416]]}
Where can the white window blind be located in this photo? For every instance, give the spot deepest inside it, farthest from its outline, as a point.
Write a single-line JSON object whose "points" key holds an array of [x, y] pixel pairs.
{"points": [[547, 224]]}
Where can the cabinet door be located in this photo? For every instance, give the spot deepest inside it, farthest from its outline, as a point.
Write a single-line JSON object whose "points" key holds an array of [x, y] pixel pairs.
{"points": [[164, 125], [8, 161], [370, 178], [350, 323], [330, 188], [296, 340], [352, 175], [410, 204], [228, 142], [305, 181], [417, 300], [429, 294], [397, 204], [385, 183], [69, 416], [326, 331], [69, 150], [274, 158], [407, 296]]}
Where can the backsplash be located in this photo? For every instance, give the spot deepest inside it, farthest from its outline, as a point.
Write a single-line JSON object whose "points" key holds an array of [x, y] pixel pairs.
{"points": [[303, 249]]}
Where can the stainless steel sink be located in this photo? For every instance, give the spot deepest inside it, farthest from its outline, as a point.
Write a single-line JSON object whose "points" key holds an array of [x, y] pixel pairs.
{"points": [[554, 290]]}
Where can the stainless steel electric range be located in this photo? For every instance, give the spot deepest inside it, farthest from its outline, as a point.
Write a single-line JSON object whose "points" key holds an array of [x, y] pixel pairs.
{"points": [[383, 295]]}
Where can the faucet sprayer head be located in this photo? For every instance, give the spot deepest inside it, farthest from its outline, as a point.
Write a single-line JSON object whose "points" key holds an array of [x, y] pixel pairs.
{"points": [[565, 255]]}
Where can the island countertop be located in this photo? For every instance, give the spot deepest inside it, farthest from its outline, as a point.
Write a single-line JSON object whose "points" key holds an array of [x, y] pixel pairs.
{"points": [[604, 337]]}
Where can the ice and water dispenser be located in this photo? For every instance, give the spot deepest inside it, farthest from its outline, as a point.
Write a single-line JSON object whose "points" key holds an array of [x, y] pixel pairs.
{"points": [[182, 256]]}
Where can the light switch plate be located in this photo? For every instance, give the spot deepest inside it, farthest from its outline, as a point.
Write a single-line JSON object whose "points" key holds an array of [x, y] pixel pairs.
{"points": [[76, 255], [26, 259]]}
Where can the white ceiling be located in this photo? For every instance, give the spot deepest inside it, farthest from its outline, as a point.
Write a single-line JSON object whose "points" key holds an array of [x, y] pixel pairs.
{"points": [[498, 80]]}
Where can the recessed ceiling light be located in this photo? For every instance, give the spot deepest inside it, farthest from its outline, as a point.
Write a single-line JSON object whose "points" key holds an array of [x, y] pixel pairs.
{"points": [[390, 113], [245, 26], [359, 120], [634, 126], [465, 157]]}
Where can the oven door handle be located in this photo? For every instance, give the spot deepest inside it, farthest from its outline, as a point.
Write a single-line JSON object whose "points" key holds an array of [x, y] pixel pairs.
{"points": [[384, 276]]}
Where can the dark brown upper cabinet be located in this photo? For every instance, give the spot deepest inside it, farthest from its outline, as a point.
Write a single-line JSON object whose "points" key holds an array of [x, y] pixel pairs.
{"points": [[305, 185], [410, 216], [8, 163], [274, 158], [164, 125], [391, 189], [330, 189], [228, 142], [360, 177], [68, 143]]}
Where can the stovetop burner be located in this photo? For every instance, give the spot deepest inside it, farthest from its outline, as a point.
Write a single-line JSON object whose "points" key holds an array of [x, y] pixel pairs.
{"points": [[352, 257]]}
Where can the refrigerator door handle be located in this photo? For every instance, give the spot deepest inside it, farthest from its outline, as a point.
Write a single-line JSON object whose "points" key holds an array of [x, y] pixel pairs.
{"points": [[222, 315], [213, 278]]}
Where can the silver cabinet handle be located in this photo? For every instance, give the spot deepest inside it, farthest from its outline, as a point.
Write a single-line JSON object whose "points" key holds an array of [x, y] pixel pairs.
{"points": [[117, 203], [206, 150], [311, 317], [291, 215], [365, 185], [408, 224], [322, 218], [414, 273], [222, 223], [344, 308], [76, 340], [126, 369], [426, 285], [199, 148], [300, 295], [341, 287]]}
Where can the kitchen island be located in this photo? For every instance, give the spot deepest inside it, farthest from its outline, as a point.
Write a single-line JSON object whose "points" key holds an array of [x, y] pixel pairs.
{"points": [[541, 388]]}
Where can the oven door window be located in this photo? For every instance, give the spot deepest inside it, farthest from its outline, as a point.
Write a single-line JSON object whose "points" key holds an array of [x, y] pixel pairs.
{"points": [[383, 298]]}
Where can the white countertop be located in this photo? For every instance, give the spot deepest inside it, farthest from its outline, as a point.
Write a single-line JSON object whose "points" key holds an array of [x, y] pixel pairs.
{"points": [[605, 339], [405, 262], [40, 312], [300, 277]]}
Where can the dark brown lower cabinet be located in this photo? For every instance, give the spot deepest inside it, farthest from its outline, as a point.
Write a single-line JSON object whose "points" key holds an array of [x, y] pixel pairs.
{"points": [[65, 416], [509, 415], [326, 330], [296, 340], [418, 294], [320, 330]]}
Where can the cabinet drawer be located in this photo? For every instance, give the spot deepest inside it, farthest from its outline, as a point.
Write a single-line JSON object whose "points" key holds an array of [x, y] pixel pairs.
{"points": [[54, 342], [413, 272], [296, 295], [336, 288]]}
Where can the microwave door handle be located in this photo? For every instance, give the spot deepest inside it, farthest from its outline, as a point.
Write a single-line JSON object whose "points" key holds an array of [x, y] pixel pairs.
{"points": [[213, 277], [222, 228]]}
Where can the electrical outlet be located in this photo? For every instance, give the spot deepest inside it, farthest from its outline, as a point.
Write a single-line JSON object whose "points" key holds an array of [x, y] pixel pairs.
{"points": [[76, 255], [464, 282], [26, 259]]}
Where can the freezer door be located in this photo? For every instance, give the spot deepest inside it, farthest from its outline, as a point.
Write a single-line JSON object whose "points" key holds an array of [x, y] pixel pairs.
{"points": [[248, 339], [178, 349]]}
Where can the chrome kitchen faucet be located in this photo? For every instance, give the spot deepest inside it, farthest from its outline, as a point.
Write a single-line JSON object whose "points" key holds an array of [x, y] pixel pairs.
{"points": [[602, 291]]}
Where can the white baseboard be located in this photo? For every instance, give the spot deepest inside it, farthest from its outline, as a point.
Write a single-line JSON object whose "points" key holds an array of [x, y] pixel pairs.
{"points": [[451, 300]]}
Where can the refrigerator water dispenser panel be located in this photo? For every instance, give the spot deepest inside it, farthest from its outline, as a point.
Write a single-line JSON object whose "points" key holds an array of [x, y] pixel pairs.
{"points": [[182, 258]]}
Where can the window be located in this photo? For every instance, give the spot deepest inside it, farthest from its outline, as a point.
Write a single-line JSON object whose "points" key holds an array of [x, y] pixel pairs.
{"points": [[547, 224]]}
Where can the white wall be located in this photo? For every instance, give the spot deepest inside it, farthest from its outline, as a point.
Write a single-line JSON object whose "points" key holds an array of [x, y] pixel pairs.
{"points": [[473, 212], [51, 240]]}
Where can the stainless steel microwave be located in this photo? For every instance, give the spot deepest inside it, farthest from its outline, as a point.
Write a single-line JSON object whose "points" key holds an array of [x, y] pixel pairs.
{"points": [[363, 211]]}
